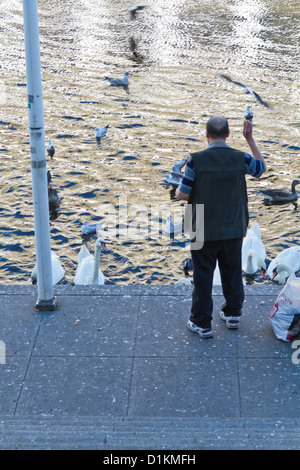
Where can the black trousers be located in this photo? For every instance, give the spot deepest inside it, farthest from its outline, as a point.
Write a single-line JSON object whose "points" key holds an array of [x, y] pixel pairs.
{"points": [[228, 254]]}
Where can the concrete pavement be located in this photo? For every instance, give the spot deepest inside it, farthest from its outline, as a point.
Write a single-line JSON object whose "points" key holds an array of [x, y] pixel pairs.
{"points": [[115, 367]]}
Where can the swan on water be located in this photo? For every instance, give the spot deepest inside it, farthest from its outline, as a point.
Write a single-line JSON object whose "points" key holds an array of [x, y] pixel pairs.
{"points": [[184, 281], [253, 251], [290, 259], [281, 273], [57, 270], [88, 271]]}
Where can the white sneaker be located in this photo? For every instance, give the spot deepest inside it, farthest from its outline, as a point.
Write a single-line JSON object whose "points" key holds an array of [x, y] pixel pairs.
{"points": [[231, 322], [203, 332]]}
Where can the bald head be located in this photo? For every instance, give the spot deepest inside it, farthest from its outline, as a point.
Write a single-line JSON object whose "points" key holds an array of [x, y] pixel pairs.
{"points": [[217, 128]]}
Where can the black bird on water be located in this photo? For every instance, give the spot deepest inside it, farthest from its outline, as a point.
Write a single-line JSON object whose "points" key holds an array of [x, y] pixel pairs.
{"points": [[279, 196]]}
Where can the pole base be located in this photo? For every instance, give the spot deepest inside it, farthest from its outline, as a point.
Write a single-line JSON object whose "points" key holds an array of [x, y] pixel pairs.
{"points": [[46, 305]]}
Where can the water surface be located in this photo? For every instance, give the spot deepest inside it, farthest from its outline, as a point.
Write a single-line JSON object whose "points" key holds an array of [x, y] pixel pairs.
{"points": [[174, 51]]}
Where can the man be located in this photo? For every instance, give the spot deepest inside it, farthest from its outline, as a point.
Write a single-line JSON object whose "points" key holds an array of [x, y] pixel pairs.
{"points": [[215, 178]]}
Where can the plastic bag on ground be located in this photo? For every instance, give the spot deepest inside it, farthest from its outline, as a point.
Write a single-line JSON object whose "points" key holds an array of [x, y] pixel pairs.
{"points": [[285, 314]]}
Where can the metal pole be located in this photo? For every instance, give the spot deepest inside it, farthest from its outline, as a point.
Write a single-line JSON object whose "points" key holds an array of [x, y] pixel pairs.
{"points": [[45, 301]]}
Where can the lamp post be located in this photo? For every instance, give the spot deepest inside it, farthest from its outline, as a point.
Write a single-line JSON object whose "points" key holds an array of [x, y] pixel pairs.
{"points": [[46, 300]]}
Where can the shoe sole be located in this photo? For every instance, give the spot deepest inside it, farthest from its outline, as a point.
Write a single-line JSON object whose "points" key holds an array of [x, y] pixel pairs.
{"points": [[231, 324], [209, 334]]}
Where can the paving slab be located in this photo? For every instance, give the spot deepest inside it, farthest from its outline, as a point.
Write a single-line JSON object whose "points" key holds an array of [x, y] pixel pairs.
{"points": [[116, 367]]}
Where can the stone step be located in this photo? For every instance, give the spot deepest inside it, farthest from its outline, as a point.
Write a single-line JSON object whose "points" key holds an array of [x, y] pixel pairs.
{"points": [[148, 433]]}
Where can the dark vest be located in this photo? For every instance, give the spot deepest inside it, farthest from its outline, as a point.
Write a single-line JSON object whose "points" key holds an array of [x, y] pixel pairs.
{"points": [[220, 186]]}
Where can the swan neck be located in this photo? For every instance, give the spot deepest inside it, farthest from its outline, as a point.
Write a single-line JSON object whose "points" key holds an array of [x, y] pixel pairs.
{"points": [[96, 264], [250, 257], [284, 267]]}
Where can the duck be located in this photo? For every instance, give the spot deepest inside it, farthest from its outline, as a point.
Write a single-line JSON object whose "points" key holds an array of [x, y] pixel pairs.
{"points": [[119, 81], [53, 196], [253, 251], [280, 196], [50, 149], [88, 271], [289, 258], [101, 133], [58, 271]]}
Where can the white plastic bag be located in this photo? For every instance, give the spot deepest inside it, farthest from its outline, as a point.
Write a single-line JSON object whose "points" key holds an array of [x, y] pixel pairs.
{"points": [[285, 314]]}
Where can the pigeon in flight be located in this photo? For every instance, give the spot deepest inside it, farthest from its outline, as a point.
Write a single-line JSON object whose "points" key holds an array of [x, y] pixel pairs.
{"points": [[134, 9], [247, 90], [101, 133], [175, 177], [119, 81]]}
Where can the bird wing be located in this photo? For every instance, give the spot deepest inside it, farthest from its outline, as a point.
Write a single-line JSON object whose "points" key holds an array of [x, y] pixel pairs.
{"points": [[275, 193], [178, 165], [116, 81], [260, 99], [232, 81]]}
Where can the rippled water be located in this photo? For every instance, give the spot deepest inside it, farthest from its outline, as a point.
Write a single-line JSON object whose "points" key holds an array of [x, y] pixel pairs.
{"points": [[174, 50]]}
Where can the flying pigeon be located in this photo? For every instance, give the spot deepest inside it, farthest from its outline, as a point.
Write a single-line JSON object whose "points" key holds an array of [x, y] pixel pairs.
{"points": [[134, 9], [101, 133], [247, 90], [119, 81], [50, 149], [175, 177]]}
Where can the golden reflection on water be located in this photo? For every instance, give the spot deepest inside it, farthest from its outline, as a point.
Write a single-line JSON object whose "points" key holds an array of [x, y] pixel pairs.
{"points": [[174, 51]]}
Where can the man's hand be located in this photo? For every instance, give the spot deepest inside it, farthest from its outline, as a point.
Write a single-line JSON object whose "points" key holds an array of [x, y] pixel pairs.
{"points": [[180, 195], [247, 131]]}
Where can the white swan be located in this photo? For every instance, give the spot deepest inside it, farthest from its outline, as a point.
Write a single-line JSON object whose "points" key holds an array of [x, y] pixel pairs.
{"points": [[217, 276], [253, 251], [290, 257], [281, 272], [88, 272], [58, 271], [183, 282]]}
